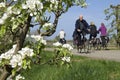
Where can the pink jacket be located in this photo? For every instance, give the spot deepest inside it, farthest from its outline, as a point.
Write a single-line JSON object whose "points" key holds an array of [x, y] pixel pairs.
{"points": [[103, 30]]}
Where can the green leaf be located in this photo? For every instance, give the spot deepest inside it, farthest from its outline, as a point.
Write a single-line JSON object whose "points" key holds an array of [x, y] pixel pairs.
{"points": [[15, 25], [24, 64], [2, 30], [62, 62], [14, 71]]}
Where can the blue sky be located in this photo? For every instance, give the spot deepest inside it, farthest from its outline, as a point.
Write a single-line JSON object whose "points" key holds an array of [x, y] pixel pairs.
{"points": [[94, 12]]}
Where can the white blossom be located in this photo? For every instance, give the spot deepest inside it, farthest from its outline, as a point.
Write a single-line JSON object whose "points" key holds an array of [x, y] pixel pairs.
{"points": [[53, 1], [2, 4], [16, 60], [5, 16], [1, 21], [13, 18], [30, 39], [44, 42], [33, 3], [15, 0], [67, 59], [84, 5], [26, 52], [47, 25], [51, 6], [35, 13], [40, 6], [68, 46], [35, 38], [57, 44], [19, 77], [24, 6], [30, 4], [7, 55], [9, 10], [16, 11], [31, 14]]}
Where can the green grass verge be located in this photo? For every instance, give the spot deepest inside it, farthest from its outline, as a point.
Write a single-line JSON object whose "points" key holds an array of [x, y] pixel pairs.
{"points": [[82, 68]]}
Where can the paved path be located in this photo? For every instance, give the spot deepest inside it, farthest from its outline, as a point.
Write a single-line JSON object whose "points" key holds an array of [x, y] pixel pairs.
{"points": [[101, 54], [113, 55]]}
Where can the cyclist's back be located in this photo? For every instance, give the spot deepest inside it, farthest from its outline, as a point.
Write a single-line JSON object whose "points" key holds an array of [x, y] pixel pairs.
{"points": [[103, 31], [93, 31]]}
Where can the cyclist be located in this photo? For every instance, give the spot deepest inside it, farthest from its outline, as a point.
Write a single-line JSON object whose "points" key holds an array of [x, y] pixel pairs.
{"points": [[103, 35], [81, 28], [62, 35], [93, 31]]}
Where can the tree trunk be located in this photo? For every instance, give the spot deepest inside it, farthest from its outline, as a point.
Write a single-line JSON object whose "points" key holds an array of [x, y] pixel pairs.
{"points": [[4, 75], [23, 32], [20, 42], [6, 72]]}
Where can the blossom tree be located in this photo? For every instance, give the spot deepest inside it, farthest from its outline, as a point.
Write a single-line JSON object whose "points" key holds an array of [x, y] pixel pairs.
{"points": [[113, 15], [16, 18]]}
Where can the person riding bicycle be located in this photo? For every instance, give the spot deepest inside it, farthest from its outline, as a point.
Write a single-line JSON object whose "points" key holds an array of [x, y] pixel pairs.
{"points": [[93, 31], [103, 34], [62, 35], [81, 28]]}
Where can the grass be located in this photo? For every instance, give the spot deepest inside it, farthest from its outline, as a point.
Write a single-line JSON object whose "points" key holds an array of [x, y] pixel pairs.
{"points": [[82, 68]]}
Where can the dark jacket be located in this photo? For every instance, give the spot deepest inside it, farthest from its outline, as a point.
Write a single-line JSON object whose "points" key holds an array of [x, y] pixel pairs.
{"points": [[82, 25], [93, 29], [75, 35]]}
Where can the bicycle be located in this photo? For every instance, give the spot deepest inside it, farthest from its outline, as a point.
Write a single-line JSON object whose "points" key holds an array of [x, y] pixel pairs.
{"points": [[94, 43], [83, 47], [104, 41]]}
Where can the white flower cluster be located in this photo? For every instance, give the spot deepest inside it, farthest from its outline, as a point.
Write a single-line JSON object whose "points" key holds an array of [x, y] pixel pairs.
{"points": [[10, 10], [19, 77], [66, 59], [68, 46], [2, 4], [15, 0], [3, 18], [47, 25], [35, 38], [57, 44], [84, 5], [16, 11], [16, 60], [54, 4], [33, 5], [26, 52], [8, 54]]}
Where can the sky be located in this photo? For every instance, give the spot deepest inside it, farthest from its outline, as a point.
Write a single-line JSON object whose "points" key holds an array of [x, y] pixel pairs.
{"points": [[94, 12]]}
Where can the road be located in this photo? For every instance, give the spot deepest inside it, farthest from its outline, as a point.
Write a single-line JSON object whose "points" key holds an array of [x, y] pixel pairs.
{"points": [[113, 55]]}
